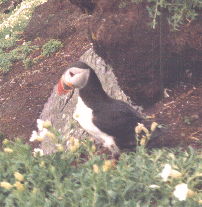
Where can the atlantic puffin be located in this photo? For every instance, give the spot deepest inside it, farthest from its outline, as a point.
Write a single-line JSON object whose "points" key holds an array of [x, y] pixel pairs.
{"points": [[113, 121]]}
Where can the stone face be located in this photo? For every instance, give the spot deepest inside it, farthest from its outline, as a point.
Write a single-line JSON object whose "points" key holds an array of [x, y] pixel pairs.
{"points": [[59, 109]]}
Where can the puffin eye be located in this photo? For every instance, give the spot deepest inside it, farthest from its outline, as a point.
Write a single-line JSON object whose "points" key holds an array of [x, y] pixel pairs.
{"points": [[71, 74]]}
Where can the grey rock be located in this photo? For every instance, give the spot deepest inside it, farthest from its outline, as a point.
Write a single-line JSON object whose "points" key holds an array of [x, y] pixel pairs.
{"points": [[59, 109]]}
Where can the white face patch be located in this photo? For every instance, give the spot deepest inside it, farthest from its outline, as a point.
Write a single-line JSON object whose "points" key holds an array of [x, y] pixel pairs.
{"points": [[84, 115], [76, 76]]}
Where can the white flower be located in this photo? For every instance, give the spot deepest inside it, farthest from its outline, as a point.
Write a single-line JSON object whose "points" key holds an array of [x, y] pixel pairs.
{"points": [[154, 186], [181, 191], [7, 36], [169, 172], [166, 172], [43, 132], [43, 124], [38, 137], [34, 136], [38, 151], [40, 124]]}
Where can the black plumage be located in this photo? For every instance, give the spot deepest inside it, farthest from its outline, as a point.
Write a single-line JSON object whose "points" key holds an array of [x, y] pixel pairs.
{"points": [[113, 117]]}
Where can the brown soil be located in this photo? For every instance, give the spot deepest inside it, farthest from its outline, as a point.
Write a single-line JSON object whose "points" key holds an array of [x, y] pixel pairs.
{"points": [[24, 92]]}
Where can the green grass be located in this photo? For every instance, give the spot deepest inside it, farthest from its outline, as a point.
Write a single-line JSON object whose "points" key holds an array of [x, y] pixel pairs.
{"points": [[20, 53], [11, 28], [82, 178], [51, 46]]}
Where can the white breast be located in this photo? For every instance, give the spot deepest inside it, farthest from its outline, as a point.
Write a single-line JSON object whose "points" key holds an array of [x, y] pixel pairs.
{"points": [[84, 115]]}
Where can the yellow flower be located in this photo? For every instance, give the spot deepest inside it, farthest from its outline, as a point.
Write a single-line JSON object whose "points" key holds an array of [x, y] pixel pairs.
{"points": [[93, 148], [5, 141], [47, 124], [71, 140], [59, 147], [40, 139], [73, 148], [42, 164], [8, 150], [50, 135], [35, 190], [18, 176], [74, 144], [153, 126], [108, 164], [175, 174], [140, 127], [5, 185], [96, 169], [191, 193], [19, 186], [143, 141]]}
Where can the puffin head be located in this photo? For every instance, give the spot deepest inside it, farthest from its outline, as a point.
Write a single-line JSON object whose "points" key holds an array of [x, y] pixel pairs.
{"points": [[74, 77]]}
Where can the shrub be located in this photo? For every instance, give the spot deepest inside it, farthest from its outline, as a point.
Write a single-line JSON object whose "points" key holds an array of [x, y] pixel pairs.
{"points": [[28, 63], [51, 46], [19, 53], [79, 177], [179, 12]]}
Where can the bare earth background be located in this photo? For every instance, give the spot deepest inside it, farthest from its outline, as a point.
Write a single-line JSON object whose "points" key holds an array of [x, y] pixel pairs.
{"points": [[23, 92]]}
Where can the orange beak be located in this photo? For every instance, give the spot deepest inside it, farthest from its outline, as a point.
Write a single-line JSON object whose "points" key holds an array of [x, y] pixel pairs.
{"points": [[63, 88]]}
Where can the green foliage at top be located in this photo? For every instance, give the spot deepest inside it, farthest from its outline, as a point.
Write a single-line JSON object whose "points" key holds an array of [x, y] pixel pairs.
{"points": [[180, 11], [3, 1], [51, 46], [79, 177]]}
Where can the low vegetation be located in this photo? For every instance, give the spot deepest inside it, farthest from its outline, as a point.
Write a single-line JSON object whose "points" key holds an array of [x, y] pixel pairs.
{"points": [[11, 28], [51, 46], [80, 176], [179, 12]]}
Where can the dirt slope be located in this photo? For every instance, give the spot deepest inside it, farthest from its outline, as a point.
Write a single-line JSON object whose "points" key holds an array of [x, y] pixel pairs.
{"points": [[24, 92]]}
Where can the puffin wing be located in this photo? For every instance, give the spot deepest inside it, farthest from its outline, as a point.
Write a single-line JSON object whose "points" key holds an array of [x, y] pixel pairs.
{"points": [[117, 119]]}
